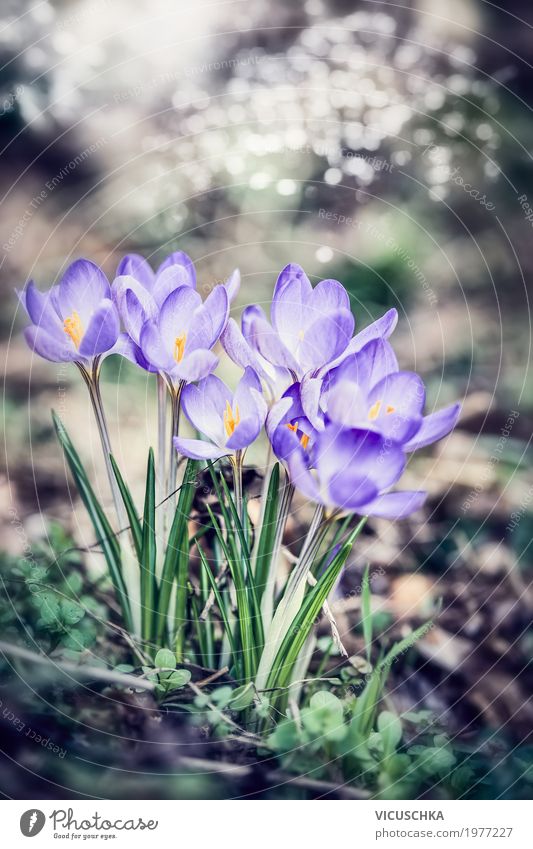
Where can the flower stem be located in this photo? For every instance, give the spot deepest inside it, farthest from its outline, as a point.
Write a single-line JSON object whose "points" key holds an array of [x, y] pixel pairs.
{"points": [[236, 463], [161, 517], [92, 381], [176, 409]]}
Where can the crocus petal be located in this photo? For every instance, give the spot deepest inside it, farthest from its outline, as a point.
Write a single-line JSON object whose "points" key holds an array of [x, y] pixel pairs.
{"points": [[270, 346], [50, 347], [204, 407], [349, 490], [347, 405], [196, 365], [290, 304], [233, 284], [197, 449], [176, 314], [281, 410], [249, 315], [245, 433], [325, 339], [395, 505], [40, 308], [379, 329], [245, 396], [310, 389], [209, 319], [153, 348], [135, 304], [371, 364], [301, 477], [434, 427], [339, 449], [102, 331], [133, 265], [81, 290], [183, 259], [329, 296], [126, 347], [395, 405], [238, 349], [169, 279]]}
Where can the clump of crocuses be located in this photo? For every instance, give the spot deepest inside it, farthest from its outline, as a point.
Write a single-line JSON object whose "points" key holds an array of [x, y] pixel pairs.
{"points": [[337, 414], [342, 416]]}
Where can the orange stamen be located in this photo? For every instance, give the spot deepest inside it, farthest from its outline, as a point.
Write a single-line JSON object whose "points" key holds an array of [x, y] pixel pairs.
{"points": [[231, 420], [73, 328], [179, 347], [373, 412]]}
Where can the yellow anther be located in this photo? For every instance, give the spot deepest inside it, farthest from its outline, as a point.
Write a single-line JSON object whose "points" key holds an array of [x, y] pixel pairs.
{"points": [[373, 412], [390, 409], [179, 347], [73, 328], [231, 419], [301, 335], [304, 439]]}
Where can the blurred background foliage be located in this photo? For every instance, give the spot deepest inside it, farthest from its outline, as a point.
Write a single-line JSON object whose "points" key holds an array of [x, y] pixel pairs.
{"points": [[339, 134]]}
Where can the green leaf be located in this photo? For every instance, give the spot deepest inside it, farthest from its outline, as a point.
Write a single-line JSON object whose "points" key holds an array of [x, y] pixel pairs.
{"points": [[244, 610], [242, 697], [71, 613], [177, 554], [403, 646], [298, 630], [133, 518], [366, 611], [178, 678], [390, 730], [221, 606], [165, 659], [267, 533], [148, 553], [104, 533]]}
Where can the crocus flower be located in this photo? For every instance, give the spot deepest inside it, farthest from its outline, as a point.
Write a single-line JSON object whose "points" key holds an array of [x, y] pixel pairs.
{"points": [[349, 469], [139, 293], [230, 421], [367, 390], [178, 340], [75, 321], [310, 327]]}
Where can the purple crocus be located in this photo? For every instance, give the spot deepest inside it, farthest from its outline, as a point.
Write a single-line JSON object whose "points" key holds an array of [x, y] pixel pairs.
{"points": [[177, 341], [309, 327], [310, 333], [139, 294], [348, 469], [75, 321], [368, 390], [231, 421]]}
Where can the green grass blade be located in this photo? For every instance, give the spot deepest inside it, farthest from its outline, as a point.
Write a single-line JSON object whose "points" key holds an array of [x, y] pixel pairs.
{"points": [[267, 534], [148, 554], [366, 613], [106, 538], [176, 559], [231, 517], [244, 610], [133, 519], [404, 645], [220, 604], [297, 632]]}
